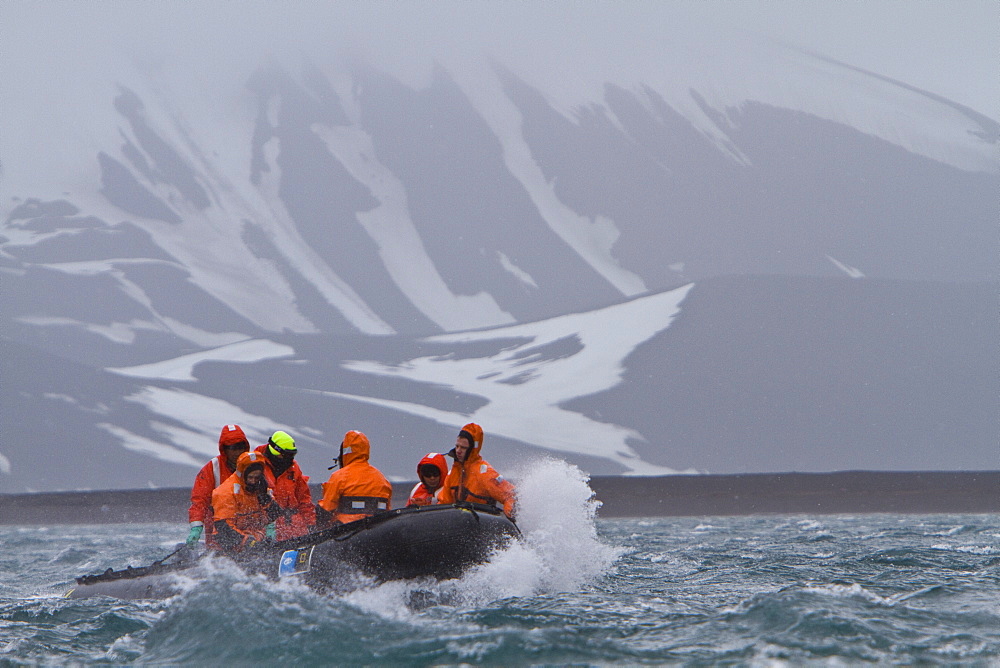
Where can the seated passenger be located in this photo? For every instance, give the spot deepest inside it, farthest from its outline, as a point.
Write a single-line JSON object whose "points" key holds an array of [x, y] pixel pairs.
{"points": [[232, 443], [244, 508], [472, 478], [289, 487], [432, 470], [358, 489]]}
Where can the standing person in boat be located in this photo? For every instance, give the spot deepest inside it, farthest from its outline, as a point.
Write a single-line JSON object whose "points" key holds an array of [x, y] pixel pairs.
{"points": [[472, 478], [358, 489], [245, 511], [289, 486], [431, 470], [232, 443]]}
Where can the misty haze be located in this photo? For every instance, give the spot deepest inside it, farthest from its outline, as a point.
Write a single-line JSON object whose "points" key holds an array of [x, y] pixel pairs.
{"points": [[641, 238]]}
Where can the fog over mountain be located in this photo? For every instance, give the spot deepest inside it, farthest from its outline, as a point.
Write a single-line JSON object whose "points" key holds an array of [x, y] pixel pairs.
{"points": [[642, 237]]}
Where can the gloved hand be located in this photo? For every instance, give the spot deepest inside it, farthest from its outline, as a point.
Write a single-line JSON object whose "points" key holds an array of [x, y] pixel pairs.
{"points": [[273, 509], [271, 531], [194, 534]]}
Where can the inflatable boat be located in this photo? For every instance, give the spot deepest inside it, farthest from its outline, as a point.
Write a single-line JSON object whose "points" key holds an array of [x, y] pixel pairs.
{"points": [[440, 542]]}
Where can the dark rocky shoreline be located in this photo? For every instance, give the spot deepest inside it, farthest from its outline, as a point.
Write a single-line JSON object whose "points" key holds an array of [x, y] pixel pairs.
{"points": [[661, 496]]}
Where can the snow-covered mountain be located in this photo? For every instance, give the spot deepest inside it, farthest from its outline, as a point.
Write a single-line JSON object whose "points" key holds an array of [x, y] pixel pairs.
{"points": [[767, 260]]}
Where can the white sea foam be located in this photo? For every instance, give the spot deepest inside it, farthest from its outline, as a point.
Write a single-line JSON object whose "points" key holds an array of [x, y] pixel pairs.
{"points": [[560, 550], [853, 590]]}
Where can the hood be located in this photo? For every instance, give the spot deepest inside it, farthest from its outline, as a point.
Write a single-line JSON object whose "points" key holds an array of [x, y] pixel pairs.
{"points": [[474, 433], [438, 460], [355, 447], [231, 435], [248, 459]]}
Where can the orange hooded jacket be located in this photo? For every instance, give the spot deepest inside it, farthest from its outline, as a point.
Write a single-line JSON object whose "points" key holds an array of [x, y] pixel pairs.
{"points": [[358, 489], [421, 495], [211, 476], [291, 491], [474, 480], [237, 510]]}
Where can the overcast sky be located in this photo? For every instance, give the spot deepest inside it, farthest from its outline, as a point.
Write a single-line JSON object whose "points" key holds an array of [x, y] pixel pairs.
{"points": [[948, 47]]}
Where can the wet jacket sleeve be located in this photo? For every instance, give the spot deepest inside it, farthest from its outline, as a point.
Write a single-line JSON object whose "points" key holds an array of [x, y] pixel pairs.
{"points": [[502, 490], [331, 493], [307, 512], [230, 538], [224, 505], [482, 484], [226, 534], [304, 517], [201, 495]]}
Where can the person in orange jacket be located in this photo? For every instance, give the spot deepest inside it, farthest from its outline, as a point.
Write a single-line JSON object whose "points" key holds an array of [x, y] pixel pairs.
{"points": [[289, 486], [472, 478], [431, 470], [232, 443], [244, 508], [358, 489]]}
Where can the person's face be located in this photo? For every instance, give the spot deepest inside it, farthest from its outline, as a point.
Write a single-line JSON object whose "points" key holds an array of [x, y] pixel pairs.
{"points": [[233, 452], [432, 479], [283, 459], [461, 449], [254, 479]]}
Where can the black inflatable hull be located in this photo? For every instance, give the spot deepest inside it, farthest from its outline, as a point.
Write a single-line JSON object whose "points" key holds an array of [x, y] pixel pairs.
{"points": [[434, 541], [439, 542]]}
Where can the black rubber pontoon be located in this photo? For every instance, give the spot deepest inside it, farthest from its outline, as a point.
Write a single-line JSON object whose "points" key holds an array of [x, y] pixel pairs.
{"points": [[428, 541]]}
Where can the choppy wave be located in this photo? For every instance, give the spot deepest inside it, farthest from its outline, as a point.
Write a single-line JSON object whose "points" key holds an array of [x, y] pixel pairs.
{"points": [[743, 590]]}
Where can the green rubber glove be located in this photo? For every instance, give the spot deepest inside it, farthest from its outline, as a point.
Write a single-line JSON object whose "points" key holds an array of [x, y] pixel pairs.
{"points": [[271, 531], [194, 534]]}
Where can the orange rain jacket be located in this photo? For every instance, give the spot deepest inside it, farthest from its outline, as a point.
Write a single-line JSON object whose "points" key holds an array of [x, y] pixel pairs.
{"points": [[420, 495], [358, 489], [239, 510], [209, 477], [475, 481], [291, 491]]}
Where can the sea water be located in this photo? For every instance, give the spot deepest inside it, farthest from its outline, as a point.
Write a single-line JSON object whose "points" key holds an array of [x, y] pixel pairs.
{"points": [[578, 590]]}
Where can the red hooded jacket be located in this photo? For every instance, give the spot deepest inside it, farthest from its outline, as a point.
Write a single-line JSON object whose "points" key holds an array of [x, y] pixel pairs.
{"points": [[358, 489], [421, 495], [211, 476]]}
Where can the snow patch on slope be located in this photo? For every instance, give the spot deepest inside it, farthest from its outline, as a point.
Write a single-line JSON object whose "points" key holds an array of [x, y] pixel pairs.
{"points": [[147, 446], [853, 272], [399, 244], [591, 238], [182, 368], [204, 417], [518, 273], [525, 391]]}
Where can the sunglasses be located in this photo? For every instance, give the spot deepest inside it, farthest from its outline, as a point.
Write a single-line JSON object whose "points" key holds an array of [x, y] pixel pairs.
{"points": [[238, 446]]}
